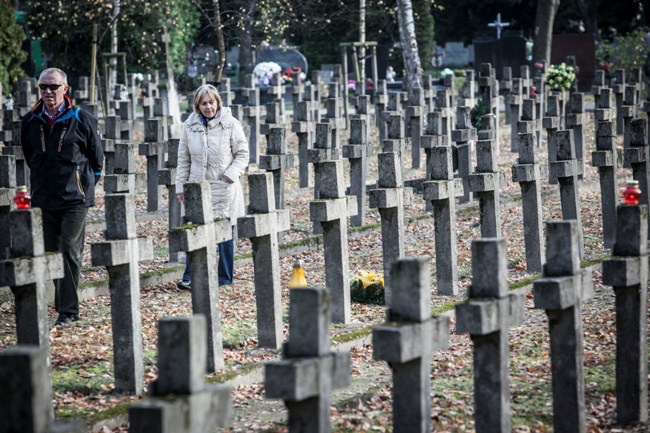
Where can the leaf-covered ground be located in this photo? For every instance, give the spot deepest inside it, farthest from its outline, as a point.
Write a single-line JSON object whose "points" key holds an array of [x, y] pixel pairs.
{"points": [[82, 352]]}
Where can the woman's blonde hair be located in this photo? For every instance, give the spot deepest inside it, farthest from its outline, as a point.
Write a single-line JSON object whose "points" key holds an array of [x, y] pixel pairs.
{"points": [[206, 89]]}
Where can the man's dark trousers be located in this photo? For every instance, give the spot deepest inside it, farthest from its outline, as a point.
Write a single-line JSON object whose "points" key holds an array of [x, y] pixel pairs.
{"points": [[64, 231]]}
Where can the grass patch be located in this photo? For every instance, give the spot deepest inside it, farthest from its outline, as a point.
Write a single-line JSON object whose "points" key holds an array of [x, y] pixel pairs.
{"points": [[443, 308], [239, 370], [83, 379], [236, 333], [354, 335]]}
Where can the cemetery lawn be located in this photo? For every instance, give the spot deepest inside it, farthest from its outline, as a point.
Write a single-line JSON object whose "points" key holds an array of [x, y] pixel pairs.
{"points": [[82, 353]]}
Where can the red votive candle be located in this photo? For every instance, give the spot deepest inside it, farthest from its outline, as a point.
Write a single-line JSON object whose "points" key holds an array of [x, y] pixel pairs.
{"points": [[632, 192], [22, 198]]}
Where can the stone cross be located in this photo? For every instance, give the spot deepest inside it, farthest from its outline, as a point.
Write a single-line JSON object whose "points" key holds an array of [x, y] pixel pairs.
{"points": [[498, 24], [303, 126], [126, 111], [120, 253], [7, 192], [225, 92], [486, 181], [442, 191], [26, 272], [26, 393], [304, 379], [355, 152], [486, 316], [514, 100], [406, 341], [618, 86], [154, 149], [331, 211], [566, 170], [464, 136], [606, 159], [381, 105], [526, 81], [167, 177], [313, 93], [396, 141], [628, 111], [450, 85], [22, 169], [388, 197], [627, 272], [604, 111], [447, 114], [199, 238], [262, 224], [529, 122], [414, 114], [539, 96], [277, 161], [526, 173], [598, 83], [333, 114], [561, 293], [551, 122], [273, 119], [506, 88], [562, 100], [638, 157], [489, 90], [122, 179], [467, 91], [181, 401], [252, 113]]}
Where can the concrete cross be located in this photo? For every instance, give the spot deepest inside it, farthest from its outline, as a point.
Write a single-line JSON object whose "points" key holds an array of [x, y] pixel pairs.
{"points": [[606, 159], [498, 24]]}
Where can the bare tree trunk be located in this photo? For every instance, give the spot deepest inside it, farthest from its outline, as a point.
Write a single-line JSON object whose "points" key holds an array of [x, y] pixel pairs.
{"points": [[409, 45], [220, 40], [544, 18], [362, 48]]}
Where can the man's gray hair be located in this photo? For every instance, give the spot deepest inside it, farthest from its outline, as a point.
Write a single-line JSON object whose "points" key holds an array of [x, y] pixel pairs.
{"points": [[57, 70]]}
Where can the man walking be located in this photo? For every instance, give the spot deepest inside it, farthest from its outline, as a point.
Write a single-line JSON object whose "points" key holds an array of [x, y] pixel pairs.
{"points": [[62, 148]]}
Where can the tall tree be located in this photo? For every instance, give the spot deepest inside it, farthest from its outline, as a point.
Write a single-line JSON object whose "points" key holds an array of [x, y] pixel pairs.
{"points": [[544, 19], [409, 45], [11, 54]]}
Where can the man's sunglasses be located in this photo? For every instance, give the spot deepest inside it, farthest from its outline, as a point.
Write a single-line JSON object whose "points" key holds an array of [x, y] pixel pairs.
{"points": [[52, 87]]}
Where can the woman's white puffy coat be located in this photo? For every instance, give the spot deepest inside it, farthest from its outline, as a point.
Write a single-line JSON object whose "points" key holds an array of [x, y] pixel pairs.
{"points": [[205, 153]]}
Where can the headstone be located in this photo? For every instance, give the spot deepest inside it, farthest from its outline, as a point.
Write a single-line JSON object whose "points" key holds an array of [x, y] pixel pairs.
{"points": [[388, 197], [277, 161], [604, 111], [252, 113], [355, 152], [526, 173], [464, 136], [637, 156], [154, 149], [486, 316], [199, 238], [181, 401], [529, 122], [122, 179], [551, 122], [414, 115], [441, 191], [486, 181], [561, 292], [262, 224], [407, 340], [606, 159], [120, 253], [331, 211], [167, 177], [627, 272], [514, 101], [304, 379], [303, 126], [505, 87], [566, 170], [26, 393], [618, 86], [26, 272], [628, 111], [7, 192]]}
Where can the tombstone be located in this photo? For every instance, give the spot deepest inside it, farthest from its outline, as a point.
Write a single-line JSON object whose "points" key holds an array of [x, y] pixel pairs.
{"points": [[442, 191], [526, 173], [331, 211], [277, 161], [26, 393], [261, 225], [486, 181], [304, 379], [7, 192], [486, 316], [154, 149], [396, 141], [388, 198], [561, 293], [333, 114], [514, 101], [637, 156], [407, 340], [199, 239], [167, 177], [529, 122], [303, 126], [252, 113], [489, 88], [566, 170], [618, 86], [551, 122], [26, 272], [122, 179], [599, 83], [606, 159], [180, 400], [120, 253], [21, 171], [355, 152], [509, 50], [226, 93], [505, 87], [464, 136], [627, 272], [414, 114], [468, 90], [447, 114], [381, 105], [628, 111]]}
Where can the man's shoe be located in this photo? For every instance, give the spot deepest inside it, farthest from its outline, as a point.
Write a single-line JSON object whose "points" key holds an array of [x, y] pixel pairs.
{"points": [[184, 285], [65, 319]]}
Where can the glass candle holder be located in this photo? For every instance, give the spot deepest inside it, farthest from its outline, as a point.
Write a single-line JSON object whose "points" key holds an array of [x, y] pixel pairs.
{"points": [[22, 198], [632, 192]]}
